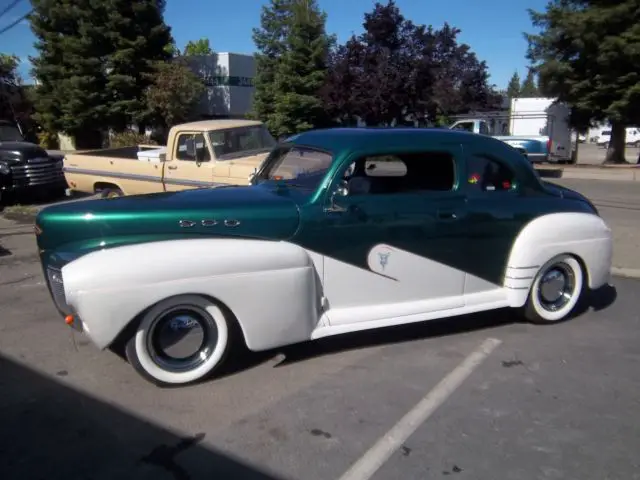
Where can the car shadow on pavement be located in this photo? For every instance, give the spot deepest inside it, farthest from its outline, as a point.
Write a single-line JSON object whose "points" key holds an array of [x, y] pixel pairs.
{"points": [[52, 431]]}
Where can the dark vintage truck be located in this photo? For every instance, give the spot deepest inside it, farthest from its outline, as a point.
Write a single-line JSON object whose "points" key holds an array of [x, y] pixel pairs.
{"points": [[27, 168]]}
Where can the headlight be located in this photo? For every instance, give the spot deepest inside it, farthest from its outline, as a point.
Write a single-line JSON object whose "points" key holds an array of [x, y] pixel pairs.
{"points": [[4, 168]]}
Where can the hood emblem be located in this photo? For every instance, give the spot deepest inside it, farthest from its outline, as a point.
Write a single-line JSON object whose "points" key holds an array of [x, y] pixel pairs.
{"points": [[208, 223]]}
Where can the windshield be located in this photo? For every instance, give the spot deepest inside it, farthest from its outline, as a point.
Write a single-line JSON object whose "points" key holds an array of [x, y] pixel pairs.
{"points": [[239, 141], [9, 133], [297, 166]]}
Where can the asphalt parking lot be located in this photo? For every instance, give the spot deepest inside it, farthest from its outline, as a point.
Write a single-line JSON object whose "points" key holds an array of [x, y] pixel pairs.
{"points": [[478, 397]]}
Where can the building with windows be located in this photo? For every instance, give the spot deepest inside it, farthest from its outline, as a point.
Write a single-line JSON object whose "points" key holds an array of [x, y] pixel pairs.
{"points": [[229, 84]]}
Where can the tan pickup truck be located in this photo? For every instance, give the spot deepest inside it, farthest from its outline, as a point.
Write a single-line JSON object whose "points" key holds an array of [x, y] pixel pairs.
{"points": [[207, 153]]}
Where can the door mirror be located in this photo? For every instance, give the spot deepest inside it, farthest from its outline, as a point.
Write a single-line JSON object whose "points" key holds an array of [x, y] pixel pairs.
{"points": [[190, 144], [341, 191]]}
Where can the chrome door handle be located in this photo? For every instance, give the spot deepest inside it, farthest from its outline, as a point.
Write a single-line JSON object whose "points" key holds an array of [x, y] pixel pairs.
{"points": [[172, 167], [447, 215]]}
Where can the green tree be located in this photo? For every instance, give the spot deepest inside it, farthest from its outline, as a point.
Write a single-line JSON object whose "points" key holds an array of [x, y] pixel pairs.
{"points": [[71, 94], [94, 63], [139, 40], [199, 47], [513, 88], [301, 72], [529, 89], [174, 92], [586, 54], [270, 41]]}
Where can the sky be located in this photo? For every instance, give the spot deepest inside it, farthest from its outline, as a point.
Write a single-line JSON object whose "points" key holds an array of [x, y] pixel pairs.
{"points": [[493, 28]]}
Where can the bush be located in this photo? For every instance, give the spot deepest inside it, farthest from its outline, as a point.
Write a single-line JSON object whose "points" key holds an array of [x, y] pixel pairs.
{"points": [[48, 140], [130, 139]]}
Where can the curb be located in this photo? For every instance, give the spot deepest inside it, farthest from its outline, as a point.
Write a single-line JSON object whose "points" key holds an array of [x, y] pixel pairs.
{"points": [[624, 173], [625, 272]]}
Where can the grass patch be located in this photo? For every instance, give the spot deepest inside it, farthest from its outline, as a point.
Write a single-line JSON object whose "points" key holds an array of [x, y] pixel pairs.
{"points": [[21, 213]]}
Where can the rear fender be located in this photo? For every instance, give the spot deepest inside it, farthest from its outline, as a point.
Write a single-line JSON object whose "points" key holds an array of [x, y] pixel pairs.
{"points": [[583, 235]]}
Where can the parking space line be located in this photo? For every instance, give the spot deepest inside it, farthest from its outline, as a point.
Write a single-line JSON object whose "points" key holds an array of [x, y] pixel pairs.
{"points": [[367, 465]]}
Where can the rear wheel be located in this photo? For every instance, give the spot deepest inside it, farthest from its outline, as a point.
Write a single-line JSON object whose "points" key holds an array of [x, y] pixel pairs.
{"points": [[180, 340], [111, 193], [556, 291]]}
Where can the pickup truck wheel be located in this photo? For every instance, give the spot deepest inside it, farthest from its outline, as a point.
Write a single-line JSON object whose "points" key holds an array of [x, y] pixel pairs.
{"points": [[556, 291], [180, 340], [111, 193]]}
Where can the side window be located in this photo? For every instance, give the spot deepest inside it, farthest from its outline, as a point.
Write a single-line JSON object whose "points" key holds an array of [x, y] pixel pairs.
{"points": [[485, 174], [202, 151], [484, 129], [465, 126], [393, 174]]}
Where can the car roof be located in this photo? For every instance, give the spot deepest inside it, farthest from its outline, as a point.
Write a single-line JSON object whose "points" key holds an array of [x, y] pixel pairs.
{"points": [[218, 124], [339, 140], [343, 141]]}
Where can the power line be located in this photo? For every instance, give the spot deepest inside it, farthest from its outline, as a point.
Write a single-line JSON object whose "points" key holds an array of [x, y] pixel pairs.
{"points": [[16, 22], [9, 7]]}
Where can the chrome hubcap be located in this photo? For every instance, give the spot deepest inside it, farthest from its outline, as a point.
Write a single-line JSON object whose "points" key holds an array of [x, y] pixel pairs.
{"points": [[182, 338], [557, 287]]}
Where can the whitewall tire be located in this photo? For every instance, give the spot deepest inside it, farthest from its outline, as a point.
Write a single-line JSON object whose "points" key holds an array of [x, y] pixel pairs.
{"points": [[556, 290], [180, 340]]}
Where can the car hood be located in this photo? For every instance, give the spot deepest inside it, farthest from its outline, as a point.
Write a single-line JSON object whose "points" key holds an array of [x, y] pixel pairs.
{"points": [[244, 211], [18, 151]]}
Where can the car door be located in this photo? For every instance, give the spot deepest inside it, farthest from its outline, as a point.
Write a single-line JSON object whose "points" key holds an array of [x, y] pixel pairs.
{"points": [[497, 210], [392, 242], [186, 170]]}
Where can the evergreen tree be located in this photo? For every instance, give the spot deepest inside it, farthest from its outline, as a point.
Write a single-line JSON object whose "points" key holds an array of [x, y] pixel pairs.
{"points": [[586, 54], [270, 42], [529, 89], [513, 88], [70, 95], [301, 72], [139, 39], [94, 63]]}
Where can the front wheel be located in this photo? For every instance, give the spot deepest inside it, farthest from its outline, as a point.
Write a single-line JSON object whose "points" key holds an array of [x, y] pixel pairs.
{"points": [[180, 340], [556, 290]]}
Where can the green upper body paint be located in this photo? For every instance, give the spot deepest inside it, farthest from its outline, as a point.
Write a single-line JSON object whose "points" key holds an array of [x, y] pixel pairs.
{"points": [[443, 208]]}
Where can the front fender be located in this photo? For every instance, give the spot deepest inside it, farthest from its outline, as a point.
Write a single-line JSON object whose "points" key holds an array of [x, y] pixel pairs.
{"points": [[271, 287]]}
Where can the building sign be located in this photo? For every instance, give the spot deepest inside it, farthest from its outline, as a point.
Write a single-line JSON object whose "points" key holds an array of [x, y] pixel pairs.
{"points": [[228, 81]]}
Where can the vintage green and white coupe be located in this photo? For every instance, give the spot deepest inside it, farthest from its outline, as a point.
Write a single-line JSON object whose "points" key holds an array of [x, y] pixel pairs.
{"points": [[342, 230]]}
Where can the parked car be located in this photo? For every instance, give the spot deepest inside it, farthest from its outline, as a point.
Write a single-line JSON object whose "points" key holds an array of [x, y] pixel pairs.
{"points": [[632, 138], [227, 151], [27, 168], [341, 230]]}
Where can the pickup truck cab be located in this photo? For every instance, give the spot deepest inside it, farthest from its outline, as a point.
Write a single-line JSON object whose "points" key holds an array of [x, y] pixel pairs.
{"points": [[206, 153]]}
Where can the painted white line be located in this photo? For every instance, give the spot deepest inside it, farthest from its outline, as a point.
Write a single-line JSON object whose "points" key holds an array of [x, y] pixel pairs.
{"points": [[382, 450], [31, 285]]}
